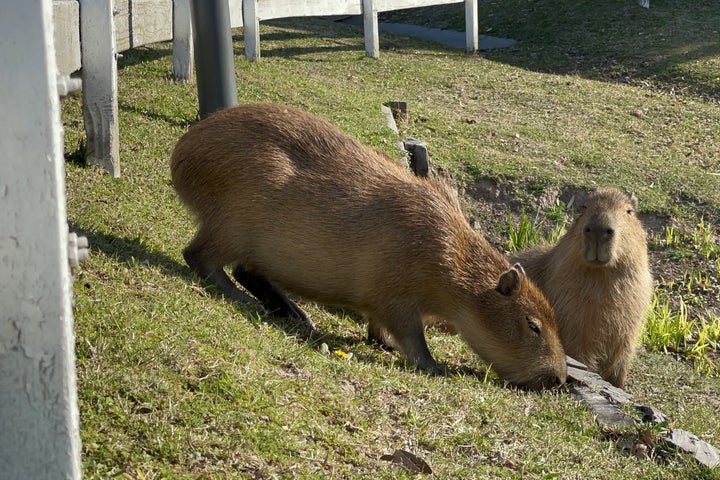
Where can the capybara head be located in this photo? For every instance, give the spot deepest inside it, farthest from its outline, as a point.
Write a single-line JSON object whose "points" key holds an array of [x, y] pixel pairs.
{"points": [[605, 216], [521, 337]]}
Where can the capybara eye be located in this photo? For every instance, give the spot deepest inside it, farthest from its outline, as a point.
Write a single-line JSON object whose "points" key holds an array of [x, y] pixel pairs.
{"points": [[534, 327], [630, 211]]}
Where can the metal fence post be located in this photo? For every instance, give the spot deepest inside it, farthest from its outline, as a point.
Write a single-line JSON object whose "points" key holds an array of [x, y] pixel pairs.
{"points": [[214, 57]]}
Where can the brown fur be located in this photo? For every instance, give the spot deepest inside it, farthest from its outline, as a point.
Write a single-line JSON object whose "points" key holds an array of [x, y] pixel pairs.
{"points": [[598, 281], [300, 206]]}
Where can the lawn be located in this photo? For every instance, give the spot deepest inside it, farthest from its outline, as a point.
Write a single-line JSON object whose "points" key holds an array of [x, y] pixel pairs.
{"points": [[175, 382]]}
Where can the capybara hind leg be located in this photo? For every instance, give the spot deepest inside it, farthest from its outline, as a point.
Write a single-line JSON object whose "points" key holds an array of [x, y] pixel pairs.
{"points": [[275, 301], [215, 275]]}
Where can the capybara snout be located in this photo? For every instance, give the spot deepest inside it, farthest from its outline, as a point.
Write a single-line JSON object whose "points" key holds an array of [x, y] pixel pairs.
{"points": [[295, 205], [599, 236], [600, 218]]}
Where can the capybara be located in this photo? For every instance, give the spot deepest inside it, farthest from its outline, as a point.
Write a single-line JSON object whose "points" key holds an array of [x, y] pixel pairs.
{"points": [[293, 204], [598, 281]]}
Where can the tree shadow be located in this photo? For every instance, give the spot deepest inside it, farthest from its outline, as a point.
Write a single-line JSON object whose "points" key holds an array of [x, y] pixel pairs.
{"points": [[618, 42]]}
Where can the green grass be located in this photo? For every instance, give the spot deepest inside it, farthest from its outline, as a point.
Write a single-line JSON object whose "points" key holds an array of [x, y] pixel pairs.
{"points": [[174, 382]]}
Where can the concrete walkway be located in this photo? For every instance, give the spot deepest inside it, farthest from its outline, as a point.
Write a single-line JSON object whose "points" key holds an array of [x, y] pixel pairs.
{"points": [[449, 38]]}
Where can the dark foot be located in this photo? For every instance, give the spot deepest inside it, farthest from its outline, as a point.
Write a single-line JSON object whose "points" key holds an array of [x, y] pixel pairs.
{"points": [[271, 298]]}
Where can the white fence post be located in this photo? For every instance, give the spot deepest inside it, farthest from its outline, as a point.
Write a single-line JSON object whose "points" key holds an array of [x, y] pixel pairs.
{"points": [[39, 426], [182, 41], [251, 29], [471, 26], [370, 26], [99, 76]]}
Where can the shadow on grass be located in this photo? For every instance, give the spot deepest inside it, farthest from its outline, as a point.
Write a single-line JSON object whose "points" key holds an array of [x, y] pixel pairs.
{"points": [[284, 43], [143, 54], [622, 44], [175, 122], [616, 42], [133, 251]]}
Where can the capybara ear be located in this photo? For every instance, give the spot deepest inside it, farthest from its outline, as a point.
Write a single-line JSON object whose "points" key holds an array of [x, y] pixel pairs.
{"points": [[519, 268], [634, 201], [509, 283]]}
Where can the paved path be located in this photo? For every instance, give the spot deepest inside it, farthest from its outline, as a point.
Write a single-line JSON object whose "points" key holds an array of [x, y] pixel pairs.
{"points": [[449, 38]]}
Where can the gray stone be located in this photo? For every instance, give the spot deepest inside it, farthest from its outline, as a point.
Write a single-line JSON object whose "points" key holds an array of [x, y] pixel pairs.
{"points": [[606, 412], [703, 451], [605, 400]]}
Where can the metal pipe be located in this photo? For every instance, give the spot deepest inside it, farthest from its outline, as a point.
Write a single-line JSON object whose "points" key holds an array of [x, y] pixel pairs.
{"points": [[214, 56]]}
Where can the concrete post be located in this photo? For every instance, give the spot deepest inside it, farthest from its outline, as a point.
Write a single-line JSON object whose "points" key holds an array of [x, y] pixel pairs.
{"points": [[99, 75], [251, 29], [182, 41], [471, 26], [370, 27], [39, 426]]}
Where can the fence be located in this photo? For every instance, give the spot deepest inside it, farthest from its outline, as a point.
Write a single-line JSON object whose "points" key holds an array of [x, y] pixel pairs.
{"points": [[133, 23], [39, 424]]}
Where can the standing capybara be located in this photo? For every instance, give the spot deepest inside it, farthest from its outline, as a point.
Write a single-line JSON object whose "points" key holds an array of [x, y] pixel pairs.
{"points": [[294, 204], [598, 281]]}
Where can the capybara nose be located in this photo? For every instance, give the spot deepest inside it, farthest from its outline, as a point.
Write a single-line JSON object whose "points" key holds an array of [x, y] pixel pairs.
{"points": [[599, 232], [559, 381]]}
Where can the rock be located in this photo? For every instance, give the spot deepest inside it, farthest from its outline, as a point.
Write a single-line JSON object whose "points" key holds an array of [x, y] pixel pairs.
{"points": [[408, 461], [703, 451], [605, 401]]}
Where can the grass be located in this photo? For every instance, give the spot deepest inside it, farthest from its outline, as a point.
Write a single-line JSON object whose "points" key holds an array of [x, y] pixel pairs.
{"points": [[174, 382]]}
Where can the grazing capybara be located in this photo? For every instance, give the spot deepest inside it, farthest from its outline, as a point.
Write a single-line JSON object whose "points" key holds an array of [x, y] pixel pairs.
{"points": [[598, 281], [294, 204]]}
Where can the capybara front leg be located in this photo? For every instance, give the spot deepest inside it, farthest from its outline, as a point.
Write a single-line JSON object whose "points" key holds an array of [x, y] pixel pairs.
{"points": [[616, 373], [376, 334], [407, 332], [275, 301]]}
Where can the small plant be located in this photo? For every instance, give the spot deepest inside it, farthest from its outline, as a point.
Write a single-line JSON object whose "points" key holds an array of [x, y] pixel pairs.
{"points": [[665, 329], [695, 279], [704, 239], [524, 236], [672, 331], [672, 236], [703, 350], [529, 233]]}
